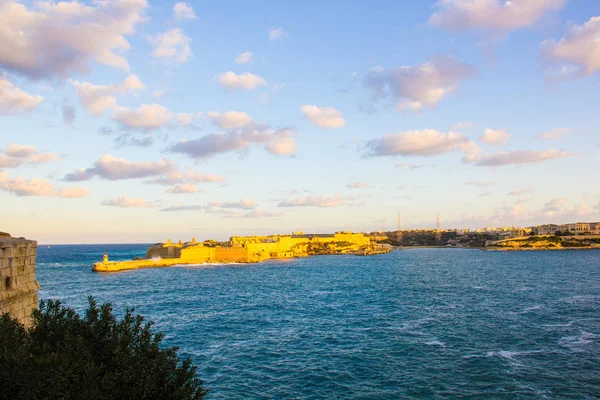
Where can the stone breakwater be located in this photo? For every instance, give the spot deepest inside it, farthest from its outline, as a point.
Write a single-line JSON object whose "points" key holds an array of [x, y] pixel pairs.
{"points": [[18, 286]]}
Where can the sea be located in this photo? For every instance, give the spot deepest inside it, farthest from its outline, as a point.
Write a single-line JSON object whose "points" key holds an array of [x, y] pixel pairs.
{"points": [[429, 323]]}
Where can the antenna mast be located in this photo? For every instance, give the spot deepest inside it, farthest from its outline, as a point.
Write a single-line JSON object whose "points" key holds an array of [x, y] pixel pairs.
{"points": [[438, 233], [399, 228]]}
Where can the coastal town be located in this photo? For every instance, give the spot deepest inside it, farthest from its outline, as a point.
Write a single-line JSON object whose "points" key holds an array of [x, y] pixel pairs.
{"points": [[547, 236]]}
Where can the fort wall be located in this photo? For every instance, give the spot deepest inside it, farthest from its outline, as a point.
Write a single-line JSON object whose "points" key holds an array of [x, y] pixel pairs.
{"points": [[18, 286]]}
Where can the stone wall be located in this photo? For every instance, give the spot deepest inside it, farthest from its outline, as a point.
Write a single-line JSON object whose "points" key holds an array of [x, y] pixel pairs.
{"points": [[18, 287]]}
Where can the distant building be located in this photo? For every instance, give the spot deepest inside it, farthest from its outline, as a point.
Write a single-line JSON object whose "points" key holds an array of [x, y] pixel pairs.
{"points": [[549, 229]]}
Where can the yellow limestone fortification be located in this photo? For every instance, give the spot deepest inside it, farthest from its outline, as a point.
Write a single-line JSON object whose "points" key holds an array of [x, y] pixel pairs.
{"points": [[247, 249]]}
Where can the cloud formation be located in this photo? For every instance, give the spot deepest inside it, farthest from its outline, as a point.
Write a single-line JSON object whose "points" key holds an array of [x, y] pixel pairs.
{"points": [[244, 204], [496, 16], [127, 202], [15, 155], [113, 168], [175, 177], [323, 117], [183, 188], [418, 87], [230, 119], [425, 143], [410, 166], [182, 11], [252, 214], [552, 134], [55, 39], [38, 187], [244, 58], [520, 192], [554, 205], [146, 117], [479, 183], [358, 185], [245, 81], [182, 208], [172, 46], [276, 141], [578, 51], [495, 137], [13, 100], [519, 157], [68, 114], [97, 99], [276, 33], [316, 201]]}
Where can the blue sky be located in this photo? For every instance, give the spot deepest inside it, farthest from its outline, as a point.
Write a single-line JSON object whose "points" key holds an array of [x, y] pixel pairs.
{"points": [[134, 121]]}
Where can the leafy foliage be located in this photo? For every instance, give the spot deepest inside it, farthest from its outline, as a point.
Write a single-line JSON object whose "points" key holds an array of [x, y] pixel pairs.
{"points": [[63, 355]]}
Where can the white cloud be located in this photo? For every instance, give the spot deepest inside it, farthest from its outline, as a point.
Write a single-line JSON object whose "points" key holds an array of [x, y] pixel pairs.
{"points": [[495, 137], [159, 94], [183, 188], [463, 126], [113, 168], [418, 87], [182, 10], [54, 39], [496, 16], [358, 185], [316, 201], [520, 192], [552, 134], [324, 117], [479, 183], [183, 208], [426, 143], [250, 214], [411, 166], [244, 204], [172, 46], [97, 99], [276, 33], [554, 205], [276, 141], [147, 117], [175, 177], [244, 58], [38, 187], [127, 202], [578, 50], [12, 99], [259, 214], [230, 119], [282, 145], [15, 155], [519, 157], [246, 81]]}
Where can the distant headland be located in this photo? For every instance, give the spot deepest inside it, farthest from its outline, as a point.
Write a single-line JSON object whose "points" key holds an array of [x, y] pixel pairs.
{"points": [[250, 249]]}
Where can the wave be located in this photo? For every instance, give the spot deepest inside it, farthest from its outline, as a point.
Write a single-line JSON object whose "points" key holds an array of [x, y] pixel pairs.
{"points": [[533, 308], [435, 343], [578, 341]]}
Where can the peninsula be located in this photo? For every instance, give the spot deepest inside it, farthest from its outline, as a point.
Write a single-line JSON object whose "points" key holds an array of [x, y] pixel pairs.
{"points": [[249, 249]]}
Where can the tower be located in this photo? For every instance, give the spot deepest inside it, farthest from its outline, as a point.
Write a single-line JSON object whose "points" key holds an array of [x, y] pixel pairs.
{"points": [[438, 233]]}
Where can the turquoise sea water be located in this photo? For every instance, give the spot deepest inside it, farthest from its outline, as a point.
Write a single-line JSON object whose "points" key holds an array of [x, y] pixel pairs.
{"points": [[422, 323]]}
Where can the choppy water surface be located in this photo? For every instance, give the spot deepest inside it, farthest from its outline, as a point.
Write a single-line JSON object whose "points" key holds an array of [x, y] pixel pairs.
{"points": [[426, 323]]}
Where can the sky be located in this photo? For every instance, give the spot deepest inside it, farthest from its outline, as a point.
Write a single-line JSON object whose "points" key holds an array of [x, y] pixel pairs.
{"points": [[135, 121]]}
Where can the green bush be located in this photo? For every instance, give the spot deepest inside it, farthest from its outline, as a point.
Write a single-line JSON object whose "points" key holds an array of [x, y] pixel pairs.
{"points": [[65, 356]]}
